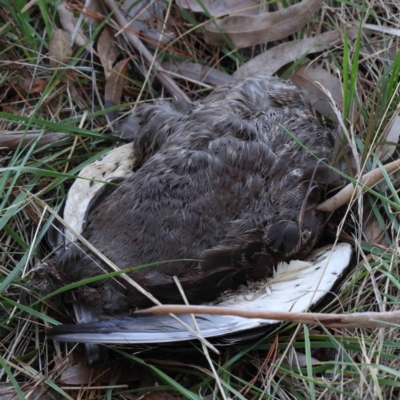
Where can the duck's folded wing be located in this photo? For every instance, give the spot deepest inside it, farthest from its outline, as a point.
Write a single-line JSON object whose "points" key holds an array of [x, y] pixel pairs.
{"points": [[295, 287]]}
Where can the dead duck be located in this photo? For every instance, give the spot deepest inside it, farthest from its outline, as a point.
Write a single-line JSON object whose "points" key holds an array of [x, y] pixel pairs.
{"points": [[221, 187]]}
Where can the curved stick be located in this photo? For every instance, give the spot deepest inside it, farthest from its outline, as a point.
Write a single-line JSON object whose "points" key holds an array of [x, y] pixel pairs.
{"points": [[355, 320], [369, 180]]}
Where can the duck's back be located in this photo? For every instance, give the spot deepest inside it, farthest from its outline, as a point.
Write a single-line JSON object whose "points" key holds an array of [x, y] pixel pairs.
{"points": [[223, 183]]}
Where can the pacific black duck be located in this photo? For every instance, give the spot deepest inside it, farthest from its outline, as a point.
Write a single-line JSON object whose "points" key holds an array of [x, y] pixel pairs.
{"points": [[222, 187]]}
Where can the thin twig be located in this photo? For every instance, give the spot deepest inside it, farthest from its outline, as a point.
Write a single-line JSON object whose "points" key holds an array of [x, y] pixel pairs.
{"points": [[355, 320], [11, 141]]}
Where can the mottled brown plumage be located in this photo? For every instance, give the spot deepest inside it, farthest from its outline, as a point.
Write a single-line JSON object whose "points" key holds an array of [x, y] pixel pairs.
{"points": [[220, 184]]}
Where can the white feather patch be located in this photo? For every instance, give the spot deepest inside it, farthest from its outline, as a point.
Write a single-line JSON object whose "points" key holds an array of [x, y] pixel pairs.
{"points": [[297, 285], [118, 163]]}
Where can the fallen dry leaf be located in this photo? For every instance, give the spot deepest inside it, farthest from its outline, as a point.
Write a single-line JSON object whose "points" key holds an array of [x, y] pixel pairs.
{"points": [[77, 373], [244, 31], [80, 374], [60, 48], [197, 72], [218, 8], [373, 232], [68, 21], [115, 86], [33, 85], [108, 51], [272, 60], [391, 136], [310, 78]]}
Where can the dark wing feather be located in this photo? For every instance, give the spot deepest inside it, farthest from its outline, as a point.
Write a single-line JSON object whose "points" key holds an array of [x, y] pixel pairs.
{"points": [[298, 291]]}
